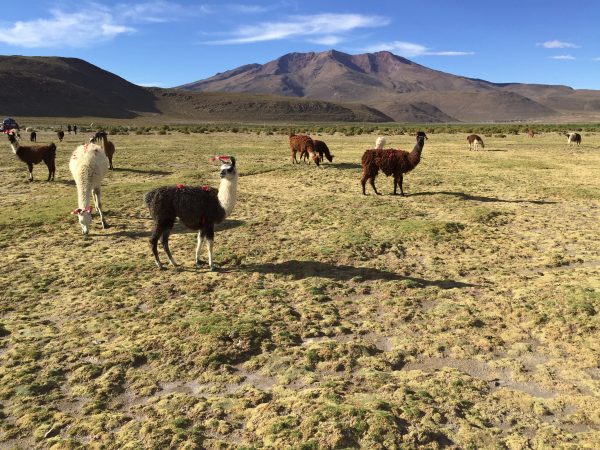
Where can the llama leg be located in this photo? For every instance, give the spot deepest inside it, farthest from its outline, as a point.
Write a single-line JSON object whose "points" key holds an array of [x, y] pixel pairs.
{"points": [[156, 232], [210, 236], [372, 181], [30, 168], [201, 236], [165, 244], [110, 166], [401, 190], [396, 183], [97, 199]]}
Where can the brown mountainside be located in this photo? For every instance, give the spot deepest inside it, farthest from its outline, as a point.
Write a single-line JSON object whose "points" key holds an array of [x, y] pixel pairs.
{"points": [[401, 88], [70, 87]]}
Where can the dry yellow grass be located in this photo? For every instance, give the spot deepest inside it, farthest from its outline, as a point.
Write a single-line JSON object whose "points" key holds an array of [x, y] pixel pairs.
{"points": [[464, 315]]}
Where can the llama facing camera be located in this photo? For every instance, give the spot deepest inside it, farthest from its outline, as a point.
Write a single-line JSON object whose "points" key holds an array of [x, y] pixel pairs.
{"points": [[198, 208]]}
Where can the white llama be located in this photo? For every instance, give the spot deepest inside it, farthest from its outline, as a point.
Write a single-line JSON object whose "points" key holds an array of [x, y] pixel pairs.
{"points": [[89, 164]]}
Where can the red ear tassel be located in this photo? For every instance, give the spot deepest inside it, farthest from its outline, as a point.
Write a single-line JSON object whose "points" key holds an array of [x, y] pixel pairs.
{"points": [[223, 158]]}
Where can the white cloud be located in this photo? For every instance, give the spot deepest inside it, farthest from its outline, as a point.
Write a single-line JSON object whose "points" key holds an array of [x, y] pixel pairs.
{"points": [[92, 23], [150, 84], [319, 25], [410, 49], [563, 57], [596, 59], [64, 29], [558, 44], [158, 11]]}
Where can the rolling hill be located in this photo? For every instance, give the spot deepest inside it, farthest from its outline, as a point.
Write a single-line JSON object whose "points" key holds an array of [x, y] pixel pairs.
{"points": [[70, 87], [402, 89]]}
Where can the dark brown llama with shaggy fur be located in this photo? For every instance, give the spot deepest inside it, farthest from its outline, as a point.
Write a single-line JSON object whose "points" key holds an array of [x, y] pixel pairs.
{"points": [[198, 208], [31, 155], [321, 149], [390, 162], [300, 143]]}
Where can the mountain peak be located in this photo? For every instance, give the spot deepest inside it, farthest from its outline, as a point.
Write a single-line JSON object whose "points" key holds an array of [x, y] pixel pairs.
{"points": [[396, 86]]}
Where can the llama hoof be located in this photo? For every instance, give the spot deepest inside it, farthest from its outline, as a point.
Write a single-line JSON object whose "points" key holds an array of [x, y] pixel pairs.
{"points": [[214, 268]]}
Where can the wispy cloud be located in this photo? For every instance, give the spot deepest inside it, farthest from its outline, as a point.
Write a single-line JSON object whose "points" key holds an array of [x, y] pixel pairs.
{"points": [[313, 27], [558, 44], [151, 84], [66, 29], [563, 57], [158, 11], [597, 58], [410, 49], [92, 23]]}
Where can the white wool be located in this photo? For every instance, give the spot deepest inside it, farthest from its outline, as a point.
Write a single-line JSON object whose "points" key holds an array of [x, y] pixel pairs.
{"points": [[88, 165], [228, 192], [380, 143]]}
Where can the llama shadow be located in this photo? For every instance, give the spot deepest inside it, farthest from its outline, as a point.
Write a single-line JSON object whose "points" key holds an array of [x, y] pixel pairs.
{"points": [[302, 269], [64, 182], [479, 198], [147, 172], [347, 166]]}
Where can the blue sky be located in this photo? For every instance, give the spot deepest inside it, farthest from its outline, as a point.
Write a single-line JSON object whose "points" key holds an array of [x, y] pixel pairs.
{"points": [[168, 43]]}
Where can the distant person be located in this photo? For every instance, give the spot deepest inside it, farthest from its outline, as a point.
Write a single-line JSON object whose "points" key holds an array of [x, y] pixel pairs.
{"points": [[75, 129], [69, 129]]}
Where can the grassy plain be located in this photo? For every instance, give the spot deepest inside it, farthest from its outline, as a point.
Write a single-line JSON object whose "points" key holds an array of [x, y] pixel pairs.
{"points": [[465, 315]]}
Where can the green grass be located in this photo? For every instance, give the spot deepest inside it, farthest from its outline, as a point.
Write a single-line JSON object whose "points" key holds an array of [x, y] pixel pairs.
{"points": [[464, 314]]}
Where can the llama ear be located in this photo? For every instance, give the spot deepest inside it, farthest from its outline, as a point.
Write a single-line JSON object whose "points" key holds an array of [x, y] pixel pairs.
{"points": [[88, 209], [76, 211], [232, 159]]}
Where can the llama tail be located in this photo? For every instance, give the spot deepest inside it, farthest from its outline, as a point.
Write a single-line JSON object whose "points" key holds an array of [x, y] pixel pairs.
{"points": [[149, 197]]}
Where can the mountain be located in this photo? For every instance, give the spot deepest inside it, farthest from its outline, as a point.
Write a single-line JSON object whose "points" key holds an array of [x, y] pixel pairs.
{"points": [[69, 87], [402, 89]]}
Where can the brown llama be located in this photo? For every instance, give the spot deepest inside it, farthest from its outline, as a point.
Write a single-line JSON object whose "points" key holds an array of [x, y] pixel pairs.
{"points": [[321, 149], [108, 146], [301, 143], [474, 142], [530, 133], [31, 155], [60, 135], [390, 162]]}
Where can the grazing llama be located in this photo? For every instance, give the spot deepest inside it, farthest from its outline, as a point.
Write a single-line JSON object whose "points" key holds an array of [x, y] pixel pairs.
{"points": [[474, 142], [199, 208], [303, 144], [574, 138], [89, 166]]}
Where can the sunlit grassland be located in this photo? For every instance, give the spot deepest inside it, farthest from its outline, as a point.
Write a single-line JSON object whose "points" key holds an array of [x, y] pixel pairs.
{"points": [[464, 314]]}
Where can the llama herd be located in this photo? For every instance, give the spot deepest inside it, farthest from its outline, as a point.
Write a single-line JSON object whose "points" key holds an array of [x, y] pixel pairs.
{"points": [[201, 208]]}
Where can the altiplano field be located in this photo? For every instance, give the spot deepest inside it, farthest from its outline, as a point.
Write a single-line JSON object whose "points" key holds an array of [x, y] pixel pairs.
{"points": [[463, 315]]}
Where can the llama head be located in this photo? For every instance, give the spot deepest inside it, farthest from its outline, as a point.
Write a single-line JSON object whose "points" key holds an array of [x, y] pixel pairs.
{"points": [[12, 136], [329, 157], [421, 133], [228, 170], [85, 218], [380, 143], [421, 139], [316, 159]]}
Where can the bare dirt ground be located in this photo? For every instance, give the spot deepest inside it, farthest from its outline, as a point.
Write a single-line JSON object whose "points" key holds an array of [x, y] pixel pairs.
{"points": [[464, 315]]}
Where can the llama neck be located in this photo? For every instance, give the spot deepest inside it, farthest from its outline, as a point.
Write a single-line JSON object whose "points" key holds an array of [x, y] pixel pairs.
{"points": [[83, 196], [415, 155], [228, 194], [15, 146]]}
